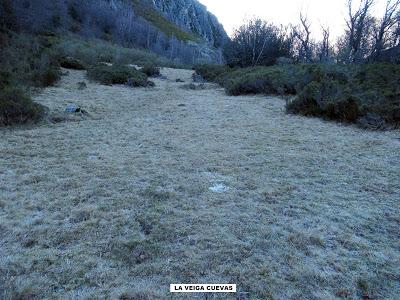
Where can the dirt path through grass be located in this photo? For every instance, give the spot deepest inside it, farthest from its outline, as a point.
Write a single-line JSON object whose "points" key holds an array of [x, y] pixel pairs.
{"points": [[167, 185]]}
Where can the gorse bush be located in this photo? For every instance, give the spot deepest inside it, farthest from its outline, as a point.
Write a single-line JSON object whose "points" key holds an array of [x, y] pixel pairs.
{"points": [[117, 74]]}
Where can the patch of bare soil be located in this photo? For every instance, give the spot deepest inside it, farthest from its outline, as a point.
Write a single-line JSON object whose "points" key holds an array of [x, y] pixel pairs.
{"points": [[172, 185]]}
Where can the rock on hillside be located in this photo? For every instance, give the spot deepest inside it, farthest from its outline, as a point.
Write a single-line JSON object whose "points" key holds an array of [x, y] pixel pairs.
{"points": [[192, 16]]}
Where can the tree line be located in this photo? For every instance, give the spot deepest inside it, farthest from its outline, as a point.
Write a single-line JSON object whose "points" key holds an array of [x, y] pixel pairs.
{"points": [[366, 39]]}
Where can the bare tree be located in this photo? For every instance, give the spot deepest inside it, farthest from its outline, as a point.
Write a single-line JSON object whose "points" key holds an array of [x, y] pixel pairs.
{"points": [[386, 28], [303, 34], [324, 49], [358, 25]]}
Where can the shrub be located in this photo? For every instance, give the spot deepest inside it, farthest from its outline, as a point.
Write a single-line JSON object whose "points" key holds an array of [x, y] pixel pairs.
{"points": [[328, 99], [18, 108], [30, 61], [211, 72], [117, 75], [71, 63], [336, 92], [268, 80], [151, 70]]}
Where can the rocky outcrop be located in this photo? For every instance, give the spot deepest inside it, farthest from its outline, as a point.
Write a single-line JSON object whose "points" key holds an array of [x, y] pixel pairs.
{"points": [[193, 17]]}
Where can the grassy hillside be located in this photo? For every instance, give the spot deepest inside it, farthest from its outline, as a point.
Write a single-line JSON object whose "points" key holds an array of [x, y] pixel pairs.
{"points": [[29, 61], [161, 22]]}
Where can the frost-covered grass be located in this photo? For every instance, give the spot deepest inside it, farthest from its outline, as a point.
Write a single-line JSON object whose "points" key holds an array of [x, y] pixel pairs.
{"points": [[120, 204]]}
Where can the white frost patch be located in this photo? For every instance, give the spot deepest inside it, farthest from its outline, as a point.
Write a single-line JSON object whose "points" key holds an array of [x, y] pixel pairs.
{"points": [[219, 188]]}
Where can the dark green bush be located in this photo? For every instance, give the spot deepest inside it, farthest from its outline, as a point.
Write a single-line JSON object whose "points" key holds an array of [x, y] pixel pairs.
{"points": [[267, 80], [151, 70], [117, 75], [348, 93], [25, 61], [328, 99], [18, 108], [30, 61], [211, 72], [336, 92], [69, 62]]}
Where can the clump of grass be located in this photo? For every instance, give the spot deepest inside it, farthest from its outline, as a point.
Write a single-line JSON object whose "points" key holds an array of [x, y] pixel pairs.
{"points": [[117, 74], [151, 70]]}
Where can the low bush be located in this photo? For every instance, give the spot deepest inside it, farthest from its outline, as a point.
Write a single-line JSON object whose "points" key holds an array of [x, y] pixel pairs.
{"points": [[335, 92], [211, 72], [268, 80], [117, 74], [30, 61], [347, 97], [25, 61], [328, 99], [69, 62], [151, 70], [18, 108]]}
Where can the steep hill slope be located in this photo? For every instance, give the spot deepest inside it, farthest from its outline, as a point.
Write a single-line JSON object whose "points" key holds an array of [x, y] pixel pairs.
{"points": [[182, 31], [193, 17]]}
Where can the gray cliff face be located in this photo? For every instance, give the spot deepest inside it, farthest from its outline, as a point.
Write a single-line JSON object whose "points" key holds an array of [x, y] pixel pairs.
{"points": [[193, 16]]}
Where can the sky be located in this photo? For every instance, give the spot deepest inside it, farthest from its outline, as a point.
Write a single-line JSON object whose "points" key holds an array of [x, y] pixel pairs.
{"points": [[231, 13]]}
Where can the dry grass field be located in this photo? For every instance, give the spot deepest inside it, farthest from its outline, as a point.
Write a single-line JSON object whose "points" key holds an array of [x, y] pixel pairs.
{"points": [[172, 185]]}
